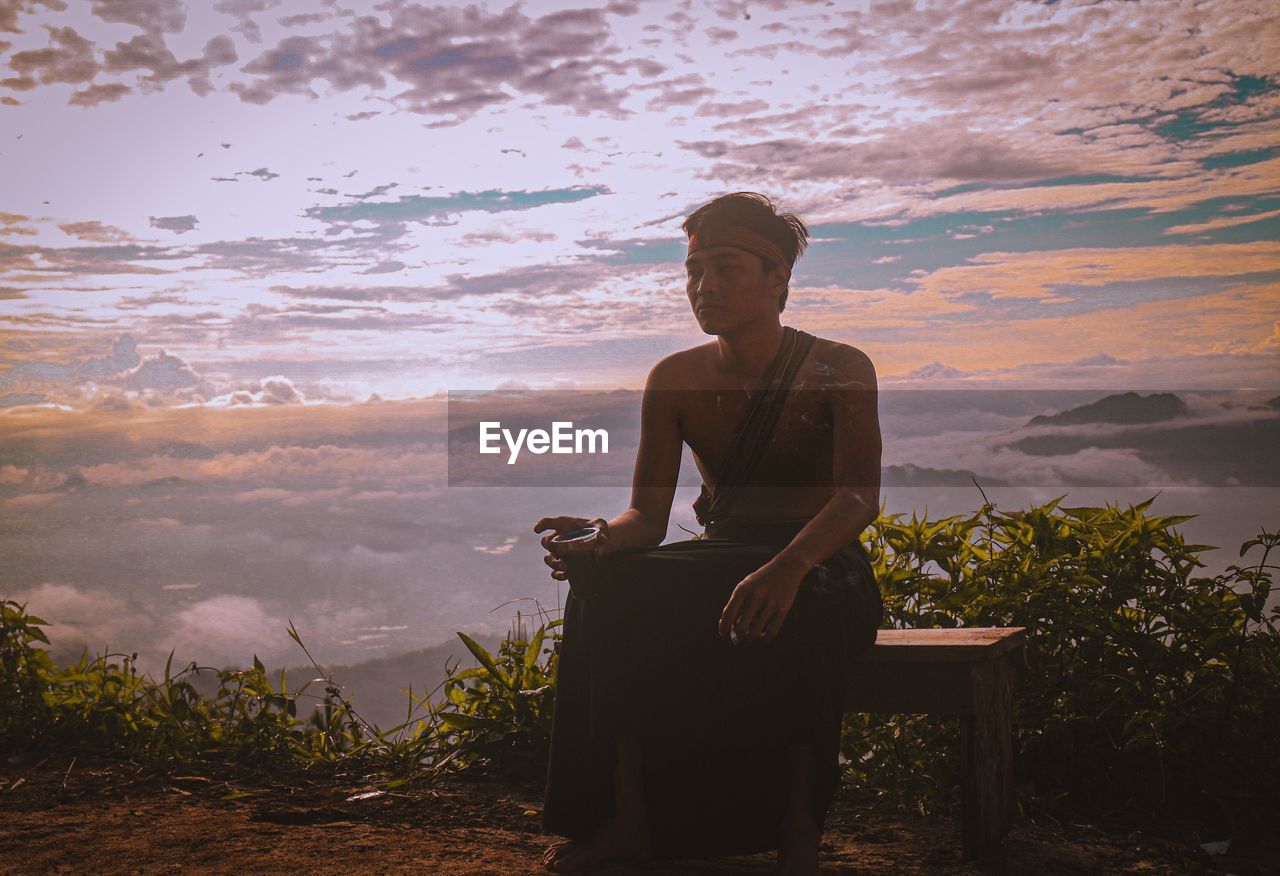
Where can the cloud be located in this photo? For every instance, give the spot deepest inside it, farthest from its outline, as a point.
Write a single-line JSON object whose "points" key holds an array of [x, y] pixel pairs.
{"points": [[919, 153], [1042, 274], [297, 504], [40, 373], [68, 58], [243, 10], [149, 15], [734, 109], [162, 373], [148, 52], [115, 404], [11, 9], [1223, 222], [252, 256], [295, 321], [375, 192], [387, 267], [265, 257], [276, 390], [94, 618], [357, 293], [504, 548], [98, 94], [117, 259], [123, 357], [21, 399], [14, 224], [261, 173], [95, 231], [227, 627], [440, 210], [303, 19], [220, 630], [1098, 371], [678, 91], [1004, 434], [453, 63], [507, 235], [120, 378], [176, 224]]}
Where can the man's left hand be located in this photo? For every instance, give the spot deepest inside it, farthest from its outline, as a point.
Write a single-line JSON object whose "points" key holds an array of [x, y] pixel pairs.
{"points": [[760, 603]]}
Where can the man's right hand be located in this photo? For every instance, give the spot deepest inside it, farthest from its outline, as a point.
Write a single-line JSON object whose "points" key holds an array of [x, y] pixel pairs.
{"points": [[563, 526]]}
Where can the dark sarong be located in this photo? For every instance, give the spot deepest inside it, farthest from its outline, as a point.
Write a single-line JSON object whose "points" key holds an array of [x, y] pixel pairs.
{"points": [[642, 656]]}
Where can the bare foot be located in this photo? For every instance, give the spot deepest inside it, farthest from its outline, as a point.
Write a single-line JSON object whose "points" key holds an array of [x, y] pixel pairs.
{"points": [[615, 841]]}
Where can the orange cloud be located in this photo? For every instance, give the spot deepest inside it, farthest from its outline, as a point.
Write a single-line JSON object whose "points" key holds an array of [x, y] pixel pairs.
{"points": [[1189, 187], [1031, 274], [1222, 222], [1236, 321]]}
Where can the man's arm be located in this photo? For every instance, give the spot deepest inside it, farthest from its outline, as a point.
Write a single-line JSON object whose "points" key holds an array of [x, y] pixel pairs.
{"points": [[761, 601], [653, 482]]}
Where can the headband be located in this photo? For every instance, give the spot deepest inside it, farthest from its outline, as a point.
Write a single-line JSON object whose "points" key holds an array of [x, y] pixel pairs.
{"points": [[740, 237]]}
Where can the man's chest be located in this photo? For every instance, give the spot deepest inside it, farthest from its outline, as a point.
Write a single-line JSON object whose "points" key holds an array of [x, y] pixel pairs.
{"points": [[801, 440]]}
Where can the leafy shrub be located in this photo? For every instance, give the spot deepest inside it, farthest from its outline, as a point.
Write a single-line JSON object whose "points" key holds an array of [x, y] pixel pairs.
{"points": [[1145, 686], [106, 707], [501, 720]]}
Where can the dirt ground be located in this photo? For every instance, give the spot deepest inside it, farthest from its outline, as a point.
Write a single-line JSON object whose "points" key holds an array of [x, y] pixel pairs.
{"points": [[98, 816]]}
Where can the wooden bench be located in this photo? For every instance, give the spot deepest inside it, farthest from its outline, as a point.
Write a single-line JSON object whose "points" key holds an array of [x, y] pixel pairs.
{"points": [[965, 672]]}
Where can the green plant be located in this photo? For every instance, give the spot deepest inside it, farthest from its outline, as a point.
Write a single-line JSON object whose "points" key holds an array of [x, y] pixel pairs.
{"points": [[498, 715], [105, 706], [25, 670], [1145, 686]]}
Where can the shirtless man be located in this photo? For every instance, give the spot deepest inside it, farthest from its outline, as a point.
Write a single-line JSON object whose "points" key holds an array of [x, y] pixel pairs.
{"points": [[822, 466]]}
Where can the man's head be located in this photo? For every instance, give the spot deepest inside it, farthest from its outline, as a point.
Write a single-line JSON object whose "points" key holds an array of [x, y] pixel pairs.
{"points": [[750, 222]]}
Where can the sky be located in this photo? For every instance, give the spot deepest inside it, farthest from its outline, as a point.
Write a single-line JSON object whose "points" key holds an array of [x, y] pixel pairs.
{"points": [[246, 246]]}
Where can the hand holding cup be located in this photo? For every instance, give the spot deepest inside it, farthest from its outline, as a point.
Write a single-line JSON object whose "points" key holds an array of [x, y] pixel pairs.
{"points": [[570, 536]]}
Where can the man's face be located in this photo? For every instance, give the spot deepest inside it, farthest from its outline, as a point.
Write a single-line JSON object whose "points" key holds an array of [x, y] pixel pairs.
{"points": [[728, 288]]}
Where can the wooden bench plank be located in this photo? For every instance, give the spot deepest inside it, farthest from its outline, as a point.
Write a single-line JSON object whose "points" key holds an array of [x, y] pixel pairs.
{"points": [[960, 645]]}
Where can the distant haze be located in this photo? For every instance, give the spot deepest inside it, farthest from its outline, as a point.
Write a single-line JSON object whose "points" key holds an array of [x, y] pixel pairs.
{"points": [[207, 530]]}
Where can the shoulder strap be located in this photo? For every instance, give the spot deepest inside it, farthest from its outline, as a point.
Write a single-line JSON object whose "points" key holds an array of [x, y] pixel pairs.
{"points": [[756, 429]]}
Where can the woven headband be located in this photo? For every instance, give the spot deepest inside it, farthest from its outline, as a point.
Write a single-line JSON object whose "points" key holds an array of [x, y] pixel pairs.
{"points": [[740, 237]]}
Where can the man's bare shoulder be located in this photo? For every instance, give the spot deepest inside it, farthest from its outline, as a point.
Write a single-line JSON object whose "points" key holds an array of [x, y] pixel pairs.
{"points": [[680, 370], [835, 365]]}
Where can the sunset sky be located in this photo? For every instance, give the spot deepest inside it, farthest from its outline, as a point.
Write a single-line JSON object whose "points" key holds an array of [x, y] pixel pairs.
{"points": [[226, 226]]}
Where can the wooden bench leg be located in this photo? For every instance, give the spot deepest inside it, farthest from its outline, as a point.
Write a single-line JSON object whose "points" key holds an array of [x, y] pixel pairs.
{"points": [[987, 761]]}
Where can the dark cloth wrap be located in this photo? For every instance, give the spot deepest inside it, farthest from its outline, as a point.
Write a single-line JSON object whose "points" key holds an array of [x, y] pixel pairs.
{"points": [[642, 656]]}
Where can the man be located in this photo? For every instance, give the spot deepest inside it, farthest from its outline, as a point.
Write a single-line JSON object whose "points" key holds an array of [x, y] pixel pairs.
{"points": [[671, 736]]}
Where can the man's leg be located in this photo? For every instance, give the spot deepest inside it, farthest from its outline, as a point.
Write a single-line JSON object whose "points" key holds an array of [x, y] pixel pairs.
{"points": [[798, 852], [626, 836]]}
